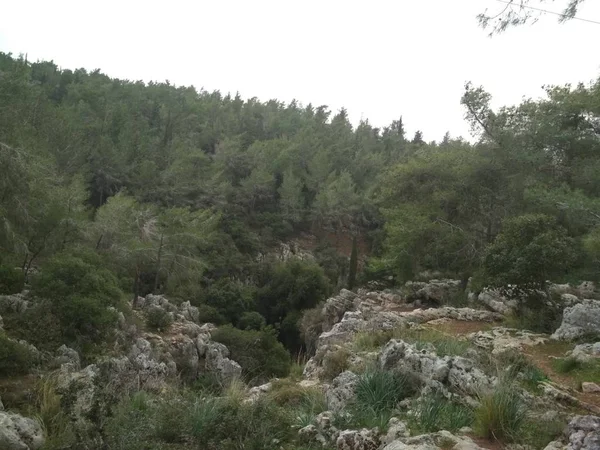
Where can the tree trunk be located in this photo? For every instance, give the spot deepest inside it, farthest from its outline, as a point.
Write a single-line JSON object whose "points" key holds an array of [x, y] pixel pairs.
{"points": [[156, 275]]}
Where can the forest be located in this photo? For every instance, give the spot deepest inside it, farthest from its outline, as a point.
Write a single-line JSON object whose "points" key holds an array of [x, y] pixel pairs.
{"points": [[161, 189]]}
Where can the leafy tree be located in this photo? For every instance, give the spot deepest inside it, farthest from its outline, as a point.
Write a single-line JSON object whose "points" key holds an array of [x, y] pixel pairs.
{"points": [[353, 264]]}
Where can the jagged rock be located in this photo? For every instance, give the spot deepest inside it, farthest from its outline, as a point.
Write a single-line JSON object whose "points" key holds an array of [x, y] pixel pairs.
{"points": [[148, 368], [20, 433], [258, 391], [396, 430], [335, 307], [458, 373], [159, 301], [585, 352], [351, 323], [80, 388], [190, 312], [310, 433], [322, 431], [66, 355], [15, 303], [434, 441], [586, 289], [358, 440], [500, 339], [584, 433], [185, 354], [569, 299], [579, 320], [433, 291], [464, 314], [588, 387], [218, 362], [497, 302], [341, 390]]}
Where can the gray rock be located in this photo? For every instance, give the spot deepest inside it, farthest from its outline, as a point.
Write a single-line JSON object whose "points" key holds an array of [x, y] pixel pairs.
{"points": [[20, 433], [358, 440], [579, 320], [396, 430], [66, 355], [589, 388], [15, 303], [341, 390], [585, 352], [217, 361], [433, 291], [584, 433], [190, 312], [335, 307], [497, 302]]}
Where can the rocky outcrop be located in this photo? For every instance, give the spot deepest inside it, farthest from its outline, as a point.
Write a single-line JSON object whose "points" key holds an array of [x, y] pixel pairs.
{"points": [[341, 391], [218, 362], [434, 441], [579, 320], [583, 433], [358, 440], [66, 355], [456, 373], [16, 303], [497, 302], [335, 307], [435, 292], [585, 352], [500, 339], [19, 433]]}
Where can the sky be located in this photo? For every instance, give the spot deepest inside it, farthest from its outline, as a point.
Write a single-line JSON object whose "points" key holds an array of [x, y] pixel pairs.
{"points": [[380, 59]]}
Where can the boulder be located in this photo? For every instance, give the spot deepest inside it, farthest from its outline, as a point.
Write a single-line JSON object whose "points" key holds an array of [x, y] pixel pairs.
{"points": [[335, 307], [584, 433], [66, 355], [579, 320], [433, 441], [497, 302], [341, 391], [585, 352], [590, 388], [433, 291], [15, 303], [20, 433], [358, 440], [217, 361], [190, 312]]}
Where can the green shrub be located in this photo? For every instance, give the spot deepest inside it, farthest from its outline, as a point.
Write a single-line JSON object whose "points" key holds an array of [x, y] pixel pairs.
{"points": [[79, 294], [38, 325], [209, 314], [334, 363], [230, 299], [259, 353], [435, 412], [381, 390], [15, 358], [566, 365], [251, 321], [12, 280], [501, 414], [158, 319]]}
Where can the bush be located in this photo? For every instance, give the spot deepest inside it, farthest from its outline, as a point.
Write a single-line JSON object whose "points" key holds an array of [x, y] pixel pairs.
{"points": [[435, 412], [251, 321], [230, 299], [209, 314], [259, 353], [12, 280], [501, 414], [311, 326], [380, 391], [37, 325], [79, 294], [334, 363], [15, 358], [158, 319]]}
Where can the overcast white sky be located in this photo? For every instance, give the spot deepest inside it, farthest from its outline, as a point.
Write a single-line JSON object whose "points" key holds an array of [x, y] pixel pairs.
{"points": [[379, 58]]}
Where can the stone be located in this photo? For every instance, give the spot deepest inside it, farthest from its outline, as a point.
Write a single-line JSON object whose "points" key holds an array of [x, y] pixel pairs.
{"points": [[585, 352], [217, 362], [15, 303], [190, 312], [341, 391], [433, 291], [66, 355], [358, 440], [589, 388], [497, 302], [20, 433], [584, 433], [500, 339], [396, 430], [579, 320]]}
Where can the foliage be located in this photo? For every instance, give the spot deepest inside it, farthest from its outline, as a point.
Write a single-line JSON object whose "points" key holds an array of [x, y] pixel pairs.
{"points": [[11, 280], [158, 319], [353, 264], [15, 358], [435, 412], [258, 352], [381, 390], [251, 321], [501, 414], [209, 314], [335, 362]]}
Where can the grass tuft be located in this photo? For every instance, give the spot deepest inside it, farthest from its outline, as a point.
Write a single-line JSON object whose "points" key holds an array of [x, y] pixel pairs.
{"points": [[501, 414]]}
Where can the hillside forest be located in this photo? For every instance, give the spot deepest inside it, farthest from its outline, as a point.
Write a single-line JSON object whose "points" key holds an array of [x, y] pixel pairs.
{"points": [[127, 189]]}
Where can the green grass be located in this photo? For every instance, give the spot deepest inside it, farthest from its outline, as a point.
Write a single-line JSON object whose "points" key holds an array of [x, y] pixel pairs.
{"points": [[334, 363], [381, 390], [444, 344], [501, 414], [435, 412], [580, 371]]}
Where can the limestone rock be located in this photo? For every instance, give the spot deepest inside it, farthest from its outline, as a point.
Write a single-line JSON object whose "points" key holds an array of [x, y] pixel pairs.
{"points": [[358, 440], [585, 352], [396, 430], [15, 303], [341, 390], [584, 433], [589, 388], [497, 302], [579, 320], [500, 339], [19, 433], [433, 291], [218, 362], [336, 306], [66, 355]]}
